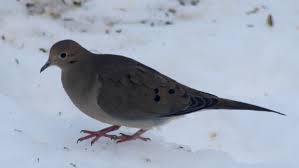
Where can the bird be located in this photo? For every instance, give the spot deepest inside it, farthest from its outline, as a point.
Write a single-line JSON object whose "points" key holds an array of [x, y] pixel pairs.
{"points": [[121, 91]]}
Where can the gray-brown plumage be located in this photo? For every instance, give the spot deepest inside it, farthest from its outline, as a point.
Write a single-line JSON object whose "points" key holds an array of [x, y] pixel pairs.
{"points": [[123, 92]]}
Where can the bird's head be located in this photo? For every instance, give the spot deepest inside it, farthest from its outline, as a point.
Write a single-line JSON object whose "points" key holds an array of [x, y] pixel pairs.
{"points": [[64, 54]]}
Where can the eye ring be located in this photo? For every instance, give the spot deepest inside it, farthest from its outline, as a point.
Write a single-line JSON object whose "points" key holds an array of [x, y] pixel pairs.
{"points": [[62, 55]]}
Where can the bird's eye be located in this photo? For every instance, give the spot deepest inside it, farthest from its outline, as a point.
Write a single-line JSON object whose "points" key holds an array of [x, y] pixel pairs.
{"points": [[62, 56]]}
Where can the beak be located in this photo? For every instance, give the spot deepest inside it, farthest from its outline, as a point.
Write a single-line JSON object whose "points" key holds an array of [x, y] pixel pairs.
{"points": [[47, 64]]}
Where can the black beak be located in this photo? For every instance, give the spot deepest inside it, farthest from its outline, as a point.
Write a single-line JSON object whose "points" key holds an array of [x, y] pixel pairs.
{"points": [[47, 64]]}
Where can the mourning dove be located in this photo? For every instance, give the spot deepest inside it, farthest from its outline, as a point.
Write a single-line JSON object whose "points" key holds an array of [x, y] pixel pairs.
{"points": [[123, 92]]}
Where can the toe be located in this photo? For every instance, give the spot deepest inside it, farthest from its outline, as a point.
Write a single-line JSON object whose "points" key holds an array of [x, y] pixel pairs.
{"points": [[112, 137]]}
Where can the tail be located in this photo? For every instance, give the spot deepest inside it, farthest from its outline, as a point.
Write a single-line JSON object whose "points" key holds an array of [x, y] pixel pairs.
{"points": [[235, 105]]}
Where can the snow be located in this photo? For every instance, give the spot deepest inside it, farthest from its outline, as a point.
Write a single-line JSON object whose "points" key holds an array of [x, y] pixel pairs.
{"points": [[224, 48]]}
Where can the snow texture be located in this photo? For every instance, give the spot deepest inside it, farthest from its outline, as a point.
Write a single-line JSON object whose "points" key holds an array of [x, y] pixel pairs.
{"points": [[222, 47]]}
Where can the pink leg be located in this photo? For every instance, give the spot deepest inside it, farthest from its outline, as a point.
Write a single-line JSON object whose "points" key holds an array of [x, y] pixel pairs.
{"points": [[98, 134], [137, 135]]}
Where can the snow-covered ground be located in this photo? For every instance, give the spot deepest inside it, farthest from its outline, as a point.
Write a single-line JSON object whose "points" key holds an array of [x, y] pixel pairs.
{"points": [[222, 47]]}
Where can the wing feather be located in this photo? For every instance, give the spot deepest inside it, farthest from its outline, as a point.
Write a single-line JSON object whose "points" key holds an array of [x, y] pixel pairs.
{"points": [[135, 91]]}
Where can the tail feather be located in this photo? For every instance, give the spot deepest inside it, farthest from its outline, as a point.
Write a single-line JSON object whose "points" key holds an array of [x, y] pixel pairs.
{"points": [[235, 105]]}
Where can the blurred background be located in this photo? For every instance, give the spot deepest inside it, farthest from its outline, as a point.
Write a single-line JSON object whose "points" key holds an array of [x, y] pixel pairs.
{"points": [[243, 50]]}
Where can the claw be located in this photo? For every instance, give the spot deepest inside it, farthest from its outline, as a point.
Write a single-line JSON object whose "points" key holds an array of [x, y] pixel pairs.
{"points": [[145, 139], [94, 140], [87, 132], [112, 137]]}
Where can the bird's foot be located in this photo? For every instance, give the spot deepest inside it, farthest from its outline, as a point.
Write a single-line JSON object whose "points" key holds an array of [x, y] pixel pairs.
{"points": [[125, 138], [137, 135], [95, 135], [98, 134]]}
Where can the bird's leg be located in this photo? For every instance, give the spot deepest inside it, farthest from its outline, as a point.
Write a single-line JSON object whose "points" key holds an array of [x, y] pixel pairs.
{"points": [[137, 135], [98, 134]]}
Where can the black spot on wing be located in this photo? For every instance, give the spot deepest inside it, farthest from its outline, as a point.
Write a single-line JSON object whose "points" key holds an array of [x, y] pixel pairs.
{"points": [[171, 91], [157, 98], [73, 61]]}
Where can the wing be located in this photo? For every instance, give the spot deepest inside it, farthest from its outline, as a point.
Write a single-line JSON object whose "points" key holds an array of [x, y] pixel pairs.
{"points": [[132, 90]]}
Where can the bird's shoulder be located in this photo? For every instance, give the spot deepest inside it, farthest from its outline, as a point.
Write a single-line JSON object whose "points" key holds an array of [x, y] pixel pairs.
{"points": [[116, 68]]}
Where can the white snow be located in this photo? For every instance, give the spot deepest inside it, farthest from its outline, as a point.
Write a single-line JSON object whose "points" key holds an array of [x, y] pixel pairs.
{"points": [[220, 47]]}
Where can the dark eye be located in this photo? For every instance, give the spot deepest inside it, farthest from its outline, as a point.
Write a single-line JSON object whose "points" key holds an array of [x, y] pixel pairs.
{"points": [[62, 56]]}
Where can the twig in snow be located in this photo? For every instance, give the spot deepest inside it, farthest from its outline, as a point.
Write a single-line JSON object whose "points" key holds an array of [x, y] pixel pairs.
{"points": [[73, 164], [17, 130], [43, 50], [148, 160], [118, 31], [66, 148], [270, 21], [253, 11], [17, 61]]}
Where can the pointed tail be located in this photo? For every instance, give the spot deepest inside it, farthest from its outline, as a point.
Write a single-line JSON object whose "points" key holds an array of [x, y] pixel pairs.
{"points": [[235, 105]]}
